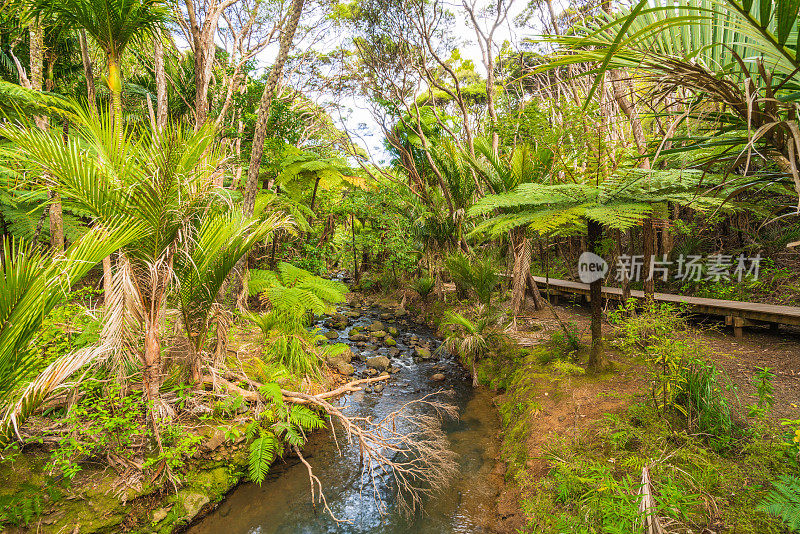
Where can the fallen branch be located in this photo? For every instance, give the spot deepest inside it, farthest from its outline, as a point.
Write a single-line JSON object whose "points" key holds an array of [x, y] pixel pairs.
{"points": [[408, 444], [253, 396], [647, 506]]}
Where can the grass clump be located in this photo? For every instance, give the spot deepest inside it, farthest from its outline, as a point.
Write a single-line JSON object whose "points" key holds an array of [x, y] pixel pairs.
{"points": [[593, 480]]}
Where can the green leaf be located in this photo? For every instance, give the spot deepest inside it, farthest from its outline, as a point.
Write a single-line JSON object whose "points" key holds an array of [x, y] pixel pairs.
{"points": [[263, 450], [272, 391]]}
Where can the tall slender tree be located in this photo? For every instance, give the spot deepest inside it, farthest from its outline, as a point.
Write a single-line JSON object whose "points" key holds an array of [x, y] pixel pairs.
{"points": [[113, 24]]}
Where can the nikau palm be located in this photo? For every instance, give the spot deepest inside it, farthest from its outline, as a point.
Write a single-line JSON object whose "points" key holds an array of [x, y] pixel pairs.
{"points": [[739, 61], [164, 182], [113, 24], [219, 243], [470, 340], [32, 285]]}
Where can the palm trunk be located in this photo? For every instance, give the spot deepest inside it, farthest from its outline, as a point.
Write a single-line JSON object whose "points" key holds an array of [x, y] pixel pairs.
{"points": [[115, 85], [151, 374], [195, 360], [595, 231], [161, 83]]}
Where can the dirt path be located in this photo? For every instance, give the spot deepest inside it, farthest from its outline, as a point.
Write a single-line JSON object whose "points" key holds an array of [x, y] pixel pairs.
{"points": [[739, 358], [571, 406]]}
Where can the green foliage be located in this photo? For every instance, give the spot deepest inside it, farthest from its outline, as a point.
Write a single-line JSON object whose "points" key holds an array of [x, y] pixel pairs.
{"points": [[219, 242], [472, 274], [71, 326], [644, 325], [620, 202], [278, 426], [566, 341], [178, 445], [707, 408], [783, 501], [469, 339], [22, 507], [103, 424], [295, 291], [32, 285], [684, 379], [591, 482], [288, 343], [423, 286], [458, 267], [764, 389]]}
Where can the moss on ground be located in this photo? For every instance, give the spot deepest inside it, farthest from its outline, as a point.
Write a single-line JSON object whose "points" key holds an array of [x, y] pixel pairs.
{"points": [[31, 501], [585, 477]]}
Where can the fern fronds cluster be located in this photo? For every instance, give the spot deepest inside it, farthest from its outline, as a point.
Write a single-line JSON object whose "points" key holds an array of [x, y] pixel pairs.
{"points": [[621, 202], [783, 501], [296, 290], [278, 426]]}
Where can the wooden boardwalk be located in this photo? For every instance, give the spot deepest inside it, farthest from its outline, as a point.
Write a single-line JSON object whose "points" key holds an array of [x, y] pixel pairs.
{"points": [[737, 314]]}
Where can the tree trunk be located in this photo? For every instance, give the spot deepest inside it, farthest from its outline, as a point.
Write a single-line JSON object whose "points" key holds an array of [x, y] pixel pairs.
{"points": [[260, 133], [314, 195], [88, 73], [522, 267], [595, 231], [533, 288], [56, 222], [356, 273], [161, 82], [649, 241]]}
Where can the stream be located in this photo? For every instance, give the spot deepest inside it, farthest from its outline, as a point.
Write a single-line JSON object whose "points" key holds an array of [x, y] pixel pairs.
{"points": [[282, 504]]}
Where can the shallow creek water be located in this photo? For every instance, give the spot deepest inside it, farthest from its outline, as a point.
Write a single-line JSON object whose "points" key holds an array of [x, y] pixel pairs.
{"points": [[282, 504]]}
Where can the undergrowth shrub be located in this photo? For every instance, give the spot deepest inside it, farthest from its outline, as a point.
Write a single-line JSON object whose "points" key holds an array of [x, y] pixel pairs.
{"points": [[104, 424], [684, 381], [643, 324], [565, 342], [593, 479], [423, 286], [472, 274]]}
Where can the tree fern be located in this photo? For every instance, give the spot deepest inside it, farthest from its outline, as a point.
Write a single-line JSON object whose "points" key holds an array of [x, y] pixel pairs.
{"points": [[622, 201], [263, 451], [783, 501], [295, 290]]}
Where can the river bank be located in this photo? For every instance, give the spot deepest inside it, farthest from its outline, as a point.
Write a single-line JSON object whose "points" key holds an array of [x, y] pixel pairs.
{"points": [[101, 500]]}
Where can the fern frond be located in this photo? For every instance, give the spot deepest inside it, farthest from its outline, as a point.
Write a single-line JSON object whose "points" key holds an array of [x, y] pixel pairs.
{"points": [[263, 450], [261, 280], [305, 418], [272, 391], [783, 501]]}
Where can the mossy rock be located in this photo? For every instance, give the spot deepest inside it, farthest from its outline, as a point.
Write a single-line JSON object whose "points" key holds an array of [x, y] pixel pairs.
{"points": [[389, 341], [392, 331], [422, 353]]}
